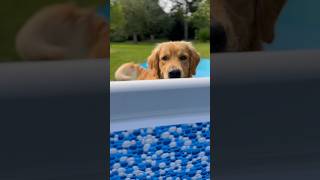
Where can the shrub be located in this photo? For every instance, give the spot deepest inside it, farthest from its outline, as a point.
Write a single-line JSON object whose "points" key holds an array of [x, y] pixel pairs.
{"points": [[118, 36], [203, 34]]}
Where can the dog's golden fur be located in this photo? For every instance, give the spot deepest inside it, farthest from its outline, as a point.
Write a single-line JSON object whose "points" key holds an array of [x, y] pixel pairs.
{"points": [[247, 23], [166, 57], [63, 31], [131, 71]]}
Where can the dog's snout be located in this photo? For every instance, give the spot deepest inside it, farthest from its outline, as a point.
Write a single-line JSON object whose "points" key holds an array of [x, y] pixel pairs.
{"points": [[175, 74], [219, 38]]}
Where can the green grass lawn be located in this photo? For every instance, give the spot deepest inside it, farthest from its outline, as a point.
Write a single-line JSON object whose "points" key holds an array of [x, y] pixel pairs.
{"points": [[128, 52]]}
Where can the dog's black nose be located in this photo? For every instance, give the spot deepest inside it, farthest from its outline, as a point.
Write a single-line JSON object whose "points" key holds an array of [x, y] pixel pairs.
{"points": [[219, 38], [175, 74]]}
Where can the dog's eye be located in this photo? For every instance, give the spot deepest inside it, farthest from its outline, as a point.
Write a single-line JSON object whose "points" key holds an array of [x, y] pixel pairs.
{"points": [[183, 57], [165, 58]]}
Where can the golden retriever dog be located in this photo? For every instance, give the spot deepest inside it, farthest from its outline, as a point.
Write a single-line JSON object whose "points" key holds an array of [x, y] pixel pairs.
{"points": [[175, 59], [63, 31], [243, 25]]}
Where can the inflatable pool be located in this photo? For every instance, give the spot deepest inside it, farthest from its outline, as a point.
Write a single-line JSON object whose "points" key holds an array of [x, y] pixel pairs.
{"points": [[158, 133]]}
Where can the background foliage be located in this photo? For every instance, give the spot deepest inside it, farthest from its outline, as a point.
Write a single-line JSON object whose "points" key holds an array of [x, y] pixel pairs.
{"points": [[142, 20]]}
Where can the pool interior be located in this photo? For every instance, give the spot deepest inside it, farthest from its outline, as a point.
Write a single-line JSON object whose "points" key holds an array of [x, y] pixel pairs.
{"points": [[203, 68], [164, 152]]}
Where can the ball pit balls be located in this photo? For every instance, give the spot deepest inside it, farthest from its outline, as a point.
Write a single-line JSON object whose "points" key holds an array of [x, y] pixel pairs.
{"points": [[166, 152]]}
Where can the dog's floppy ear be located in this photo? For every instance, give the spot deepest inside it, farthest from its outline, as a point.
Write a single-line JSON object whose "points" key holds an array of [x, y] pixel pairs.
{"points": [[153, 61], [194, 59], [267, 13]]}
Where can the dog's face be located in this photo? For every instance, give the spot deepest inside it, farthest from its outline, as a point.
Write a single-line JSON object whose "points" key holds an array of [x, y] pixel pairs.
{"points": [[243, 25], [174, 60]]}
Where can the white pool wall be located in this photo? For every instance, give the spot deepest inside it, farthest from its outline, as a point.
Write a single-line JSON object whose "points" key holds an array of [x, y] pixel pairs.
{"points": [[150, 103]]}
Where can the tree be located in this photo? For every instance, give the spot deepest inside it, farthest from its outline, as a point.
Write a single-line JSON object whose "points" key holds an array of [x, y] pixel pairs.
{"points": [[144, 17], [156, 20], [135, 17], [185, 6], [117, 23], [201, 17], [116, 16], [177, 27], [201, 20]]}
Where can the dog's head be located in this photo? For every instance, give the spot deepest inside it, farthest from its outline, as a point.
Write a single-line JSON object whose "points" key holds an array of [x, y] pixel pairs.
{"points": [[96, 31], [243, 25], [177, 59], [100, 35]]}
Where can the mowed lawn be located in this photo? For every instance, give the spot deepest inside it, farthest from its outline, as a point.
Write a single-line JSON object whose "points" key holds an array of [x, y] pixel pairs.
{"points": [[121, 53]]}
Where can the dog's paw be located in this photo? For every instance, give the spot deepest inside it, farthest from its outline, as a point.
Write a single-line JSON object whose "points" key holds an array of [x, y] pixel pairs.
{"points": [[127, 72]]}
